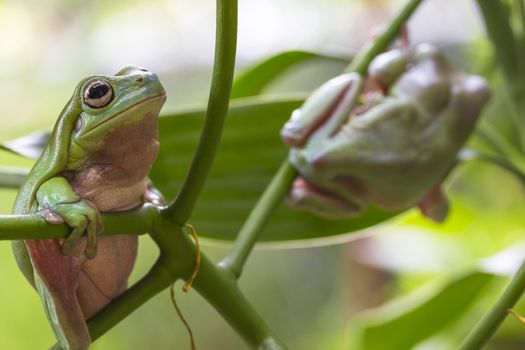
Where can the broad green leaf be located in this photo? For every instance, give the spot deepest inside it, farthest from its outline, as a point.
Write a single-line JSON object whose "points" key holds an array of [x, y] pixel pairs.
{"points": [[402, 324], [254, 79], [249, 155], [29, 146]]}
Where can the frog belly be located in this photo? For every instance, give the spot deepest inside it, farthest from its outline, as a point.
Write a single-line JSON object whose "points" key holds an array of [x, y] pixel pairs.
{"points": [[105, 277], [102, 279]]}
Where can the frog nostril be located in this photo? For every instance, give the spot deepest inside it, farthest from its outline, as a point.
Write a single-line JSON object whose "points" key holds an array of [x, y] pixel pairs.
{"points": [[140, 80]]}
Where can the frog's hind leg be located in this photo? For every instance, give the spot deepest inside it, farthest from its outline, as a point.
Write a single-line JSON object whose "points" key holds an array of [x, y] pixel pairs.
{"points": [[306, 196], [56, 279]]}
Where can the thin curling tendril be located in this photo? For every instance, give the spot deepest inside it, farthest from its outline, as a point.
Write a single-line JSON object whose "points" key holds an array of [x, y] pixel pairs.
{"points": [[182, 318], [197, 264], [518, 316]]}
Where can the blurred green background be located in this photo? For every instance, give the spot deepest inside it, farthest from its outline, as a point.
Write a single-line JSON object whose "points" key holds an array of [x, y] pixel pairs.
{"points": [[314, 297]]}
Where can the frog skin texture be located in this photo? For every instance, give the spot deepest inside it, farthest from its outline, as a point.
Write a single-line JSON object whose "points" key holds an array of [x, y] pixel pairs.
{"points": [[386, 141], [107, 169]]}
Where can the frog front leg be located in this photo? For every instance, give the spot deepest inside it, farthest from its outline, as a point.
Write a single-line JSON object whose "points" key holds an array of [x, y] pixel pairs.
{"points": [[332, 101], [55, 196]]}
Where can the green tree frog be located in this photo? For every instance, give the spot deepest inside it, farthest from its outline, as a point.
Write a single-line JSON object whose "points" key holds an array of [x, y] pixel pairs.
{"points": [[387, 141], [97, 160]]}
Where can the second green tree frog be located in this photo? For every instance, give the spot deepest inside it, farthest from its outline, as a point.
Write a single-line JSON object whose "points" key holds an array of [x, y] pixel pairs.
{"points": [[97, 160], [390, 146]]}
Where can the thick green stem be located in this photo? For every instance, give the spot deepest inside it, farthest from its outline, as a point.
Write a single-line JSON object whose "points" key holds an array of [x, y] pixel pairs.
{"points": [[217, 286], [33, 226], [176, 261], [497, 159], [493, 319], [280, 183], [12, 177], [508, 52], [497, 22], [181, 209], [221, 291], [497, 19], [258, 218], [380, 43]]}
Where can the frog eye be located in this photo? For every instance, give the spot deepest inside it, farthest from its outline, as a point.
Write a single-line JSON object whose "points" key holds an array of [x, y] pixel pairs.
{"points": [[98, 94]]}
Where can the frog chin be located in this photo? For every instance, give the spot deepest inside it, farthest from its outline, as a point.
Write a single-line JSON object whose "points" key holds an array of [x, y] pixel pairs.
{"points": [[133, 118]]}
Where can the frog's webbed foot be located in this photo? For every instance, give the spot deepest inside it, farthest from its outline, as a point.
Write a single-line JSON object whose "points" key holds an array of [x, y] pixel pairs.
{"points": [[435, 204], [328, 102], [306, 196], [82, 217], [153, 195]]}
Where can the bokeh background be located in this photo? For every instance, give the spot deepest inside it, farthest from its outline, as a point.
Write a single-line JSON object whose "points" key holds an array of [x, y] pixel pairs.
{"points": [[310, 295]]}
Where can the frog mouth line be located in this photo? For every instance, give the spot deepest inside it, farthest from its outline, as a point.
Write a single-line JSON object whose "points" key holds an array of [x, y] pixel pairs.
{"points": [[124, 111]]}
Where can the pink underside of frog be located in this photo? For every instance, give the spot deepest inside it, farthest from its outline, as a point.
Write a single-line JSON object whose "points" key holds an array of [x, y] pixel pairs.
{"points": [[114, 181]]}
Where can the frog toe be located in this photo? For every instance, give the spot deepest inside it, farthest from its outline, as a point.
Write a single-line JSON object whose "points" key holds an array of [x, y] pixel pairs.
{"points": [[81, 217], [69, 243], [94, 227], [92, 241], [91, 248]]}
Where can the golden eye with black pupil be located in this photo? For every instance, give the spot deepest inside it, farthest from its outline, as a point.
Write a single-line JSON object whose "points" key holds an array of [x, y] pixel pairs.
{"points": [[98, 94]]}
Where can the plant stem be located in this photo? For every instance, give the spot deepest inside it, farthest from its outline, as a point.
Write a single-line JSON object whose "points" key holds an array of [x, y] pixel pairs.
{"points": [[33, 226], [497, 159], [497, 22], [221, 291], [257, 219], [12, 177], [493, 319], [497, 19], [492, 137], [176, 261], [280, 183], [519, 7], [181, 208], [380, 43]]}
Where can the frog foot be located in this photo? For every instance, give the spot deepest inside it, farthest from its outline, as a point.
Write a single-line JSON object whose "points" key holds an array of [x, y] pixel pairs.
{"points": [[82, 217], [153, 196], [306, 196], [435, 205]]}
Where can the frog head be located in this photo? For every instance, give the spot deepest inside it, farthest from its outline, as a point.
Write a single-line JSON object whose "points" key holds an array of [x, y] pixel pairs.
{"points": [[390, 152], [115, 119]]}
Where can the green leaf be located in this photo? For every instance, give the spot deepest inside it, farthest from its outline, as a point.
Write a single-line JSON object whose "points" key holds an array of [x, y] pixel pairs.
{"points": [[254, 79], [29, 146], [250, 153], [402, 324]]}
